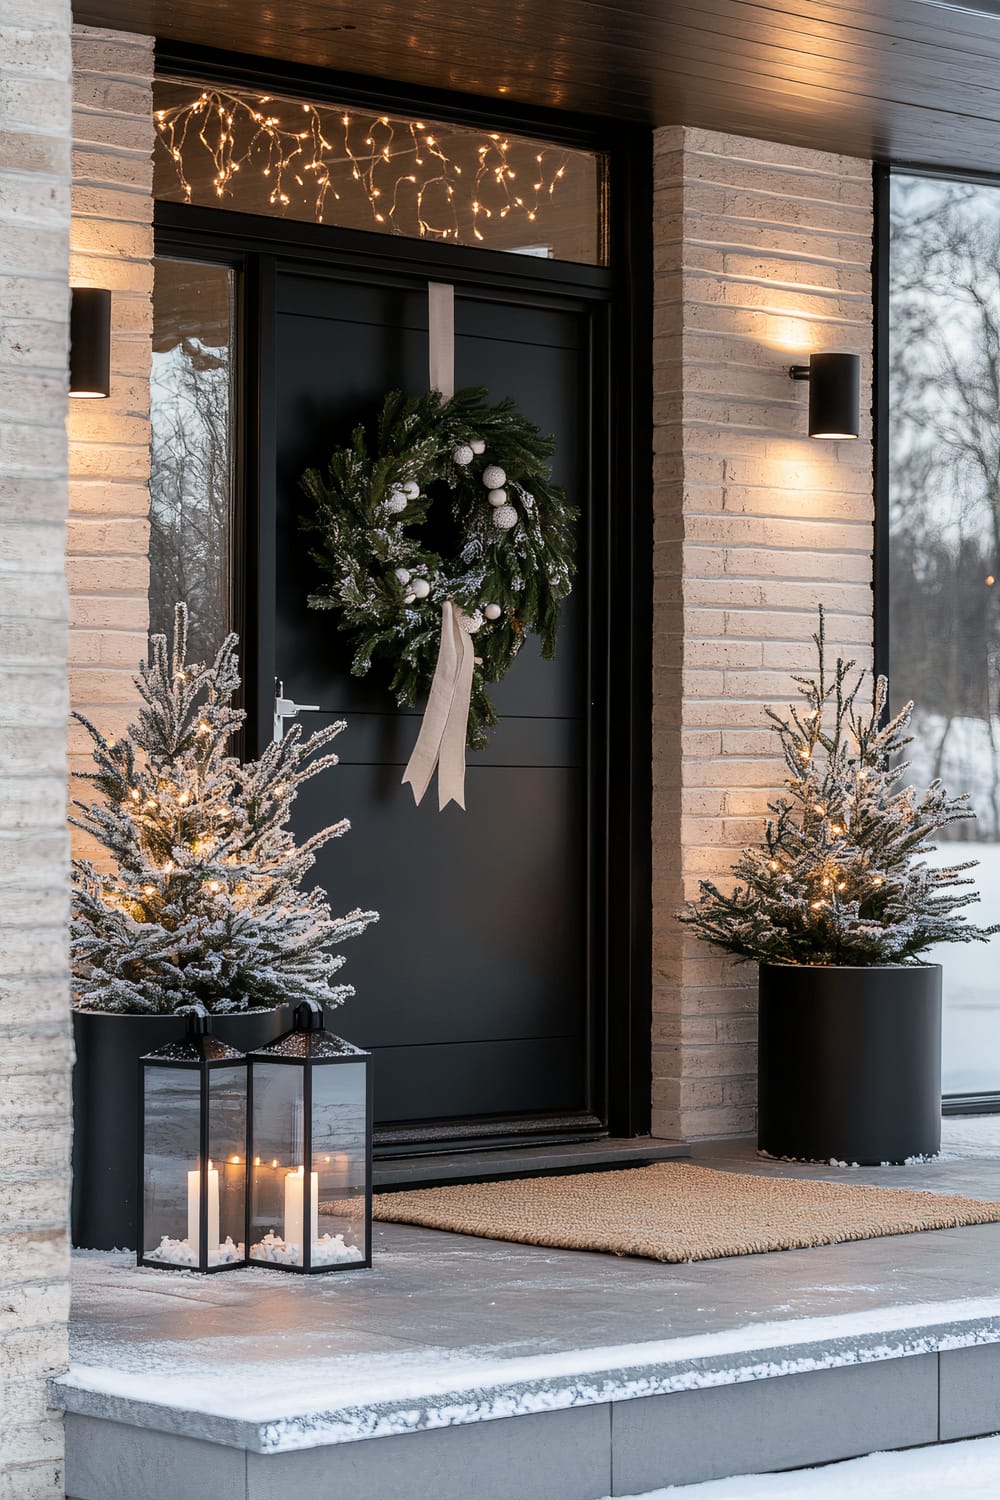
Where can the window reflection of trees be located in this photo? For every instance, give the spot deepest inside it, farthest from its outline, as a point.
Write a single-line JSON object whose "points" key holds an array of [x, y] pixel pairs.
{"points": [[191, 452], [945, 482]]}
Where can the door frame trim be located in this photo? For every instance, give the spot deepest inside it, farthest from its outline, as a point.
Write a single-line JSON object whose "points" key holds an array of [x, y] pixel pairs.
{"points": [[621, 670]]}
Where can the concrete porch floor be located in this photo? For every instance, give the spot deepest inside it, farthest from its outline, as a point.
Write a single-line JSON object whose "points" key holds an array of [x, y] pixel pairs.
{"points": [[611, 1376]]}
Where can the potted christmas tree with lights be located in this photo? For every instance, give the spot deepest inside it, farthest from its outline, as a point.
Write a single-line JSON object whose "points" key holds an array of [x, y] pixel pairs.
{"points": [[201, 901], [836, 906]]}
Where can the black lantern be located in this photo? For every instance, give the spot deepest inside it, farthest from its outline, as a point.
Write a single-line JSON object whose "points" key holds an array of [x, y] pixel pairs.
{"points": [[193, 1152], [834, 394], [311, 1133]]}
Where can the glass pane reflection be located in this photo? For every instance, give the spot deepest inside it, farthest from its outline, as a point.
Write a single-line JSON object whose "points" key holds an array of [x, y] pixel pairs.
{"points": [[191, 482]]}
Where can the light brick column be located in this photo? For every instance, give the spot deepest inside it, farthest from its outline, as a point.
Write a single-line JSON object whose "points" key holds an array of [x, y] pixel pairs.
{"points": [[111, 246], [34, 983], [762, 254]]}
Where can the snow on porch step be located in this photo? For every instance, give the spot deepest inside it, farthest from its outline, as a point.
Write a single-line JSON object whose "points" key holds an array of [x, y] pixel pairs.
{"points": [[569, 1426]]}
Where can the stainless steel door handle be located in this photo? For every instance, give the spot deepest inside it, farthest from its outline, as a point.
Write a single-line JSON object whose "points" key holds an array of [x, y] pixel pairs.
{"points": [[284, 708]]}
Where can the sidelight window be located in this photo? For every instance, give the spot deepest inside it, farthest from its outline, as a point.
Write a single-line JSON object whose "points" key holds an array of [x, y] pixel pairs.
{"points": [[191, 475]]}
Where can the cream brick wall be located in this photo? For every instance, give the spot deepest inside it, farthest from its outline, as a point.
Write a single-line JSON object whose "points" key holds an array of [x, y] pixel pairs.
{"points": [[111, 245], [34, 983], [762, 254]]}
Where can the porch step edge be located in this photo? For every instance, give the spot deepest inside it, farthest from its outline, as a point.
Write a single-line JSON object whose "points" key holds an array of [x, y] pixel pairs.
{"points": [[483, 1391]]}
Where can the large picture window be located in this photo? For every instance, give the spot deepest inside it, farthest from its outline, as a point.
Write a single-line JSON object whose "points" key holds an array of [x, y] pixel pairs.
{"points": [[944, 552]]}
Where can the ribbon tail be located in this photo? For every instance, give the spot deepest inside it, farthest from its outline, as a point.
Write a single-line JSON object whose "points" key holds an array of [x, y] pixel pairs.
{"points": [[422, 762], [451, 757]]}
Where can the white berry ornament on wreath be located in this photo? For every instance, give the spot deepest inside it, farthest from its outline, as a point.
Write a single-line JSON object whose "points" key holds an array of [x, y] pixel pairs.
{"points": [[516, 552]]}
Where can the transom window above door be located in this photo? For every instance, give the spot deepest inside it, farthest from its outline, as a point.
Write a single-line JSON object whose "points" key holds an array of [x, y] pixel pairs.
{"points": [[261, 153]]}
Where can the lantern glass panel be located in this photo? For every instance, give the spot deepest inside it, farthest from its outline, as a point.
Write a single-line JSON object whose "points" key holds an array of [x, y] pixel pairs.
{"points": [[227, 1134], [277, 1177], [172, 1139], [340, 1162]]}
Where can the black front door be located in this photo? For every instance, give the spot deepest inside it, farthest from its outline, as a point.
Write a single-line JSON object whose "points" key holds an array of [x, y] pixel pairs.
{"points": [[475, 990]]}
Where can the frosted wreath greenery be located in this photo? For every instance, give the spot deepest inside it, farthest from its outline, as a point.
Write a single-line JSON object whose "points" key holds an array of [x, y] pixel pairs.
{"points": [[390, 557], [203, 902], [841, 876]]}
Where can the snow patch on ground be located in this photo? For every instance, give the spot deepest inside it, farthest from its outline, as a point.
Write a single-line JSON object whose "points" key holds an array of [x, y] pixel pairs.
{"points": [[970, 1135], [969, 1469], [971, 1061]]}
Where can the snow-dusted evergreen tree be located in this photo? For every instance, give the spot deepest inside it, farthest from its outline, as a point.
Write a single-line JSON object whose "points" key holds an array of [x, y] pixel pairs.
{"points": [[841, 876], [205, 900]]}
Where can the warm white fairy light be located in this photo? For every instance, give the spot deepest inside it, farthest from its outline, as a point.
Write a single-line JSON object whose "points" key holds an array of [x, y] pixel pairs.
{"points": [[382, 154]]}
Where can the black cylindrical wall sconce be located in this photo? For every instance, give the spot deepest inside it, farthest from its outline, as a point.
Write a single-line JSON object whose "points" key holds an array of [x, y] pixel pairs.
{"points": [[834, 394], [90, 342]]}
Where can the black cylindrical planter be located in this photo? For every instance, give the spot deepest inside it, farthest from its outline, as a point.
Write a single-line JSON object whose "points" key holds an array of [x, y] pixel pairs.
{"points": [[106, 1110], [849, 1065]]}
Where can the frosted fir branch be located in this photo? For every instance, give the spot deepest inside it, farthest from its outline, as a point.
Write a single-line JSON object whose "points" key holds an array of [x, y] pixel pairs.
{"points": [[205, 900]]}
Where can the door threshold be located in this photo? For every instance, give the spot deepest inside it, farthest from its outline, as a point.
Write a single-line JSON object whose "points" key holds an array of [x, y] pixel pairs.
{"points": [[437, 1170]]}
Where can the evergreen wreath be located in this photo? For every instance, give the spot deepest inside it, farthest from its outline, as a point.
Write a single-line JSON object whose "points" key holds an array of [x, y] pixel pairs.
{"points": [[508, 568]]}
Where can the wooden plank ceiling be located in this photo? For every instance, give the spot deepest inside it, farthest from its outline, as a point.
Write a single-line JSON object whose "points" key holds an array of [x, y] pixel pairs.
{"points": [[901, 80]]}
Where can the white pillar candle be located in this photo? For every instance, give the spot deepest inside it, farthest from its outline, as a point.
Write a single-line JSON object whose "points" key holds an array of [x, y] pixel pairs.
{"points": [[294, 1226], [194, 1211]]}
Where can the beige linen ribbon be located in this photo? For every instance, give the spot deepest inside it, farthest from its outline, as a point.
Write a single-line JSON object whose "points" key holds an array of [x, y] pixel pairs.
{"points": [[441, 741], [441, 337]]}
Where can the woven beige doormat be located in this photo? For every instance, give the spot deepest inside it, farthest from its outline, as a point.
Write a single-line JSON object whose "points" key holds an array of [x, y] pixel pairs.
{"points": [[675, 1211]]}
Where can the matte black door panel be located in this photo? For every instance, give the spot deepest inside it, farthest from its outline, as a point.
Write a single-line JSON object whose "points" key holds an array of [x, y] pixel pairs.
{"points": [[387, 739], [493, 1078], [473, 989], [474, 942]]}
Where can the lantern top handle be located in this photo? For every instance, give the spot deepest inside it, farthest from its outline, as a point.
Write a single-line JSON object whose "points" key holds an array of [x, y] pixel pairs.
{"points": [[309, 1016], [199, 1022]]}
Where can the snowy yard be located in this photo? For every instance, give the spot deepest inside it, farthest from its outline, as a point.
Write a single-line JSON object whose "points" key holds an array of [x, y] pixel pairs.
{"points": [[969, 1470], [972, 985]]}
